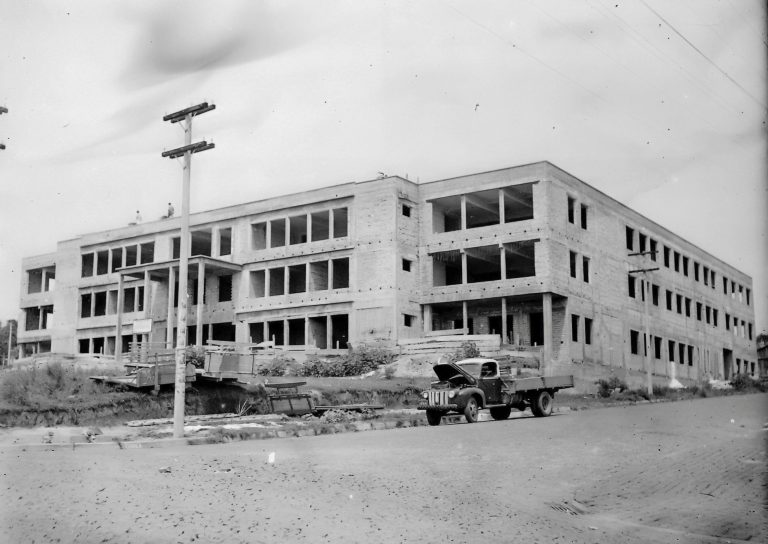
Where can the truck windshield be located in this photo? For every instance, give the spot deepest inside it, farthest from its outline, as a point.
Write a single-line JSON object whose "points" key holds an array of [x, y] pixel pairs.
{"points": [[472, 368]]}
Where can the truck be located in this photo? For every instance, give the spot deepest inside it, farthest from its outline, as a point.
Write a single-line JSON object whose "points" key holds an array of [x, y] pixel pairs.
{"points": [[470, 385]]}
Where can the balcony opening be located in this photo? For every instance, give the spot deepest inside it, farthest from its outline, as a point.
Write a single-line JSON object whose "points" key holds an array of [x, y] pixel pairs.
{"points": [[147, 252], [341, 273], [32, 319], [520, 259], [258, 283], [35, 281], [276, 332], [446, 268], [225, 288], [318, 332], [276, 281], [446, 214], [296, 332], [340, 222], [277, 233], [298, 229], [297, 279], [259, 235], [321, 228], [98, 346], [256, 332], [87, 265], [117, 258], [200, 243], [518, 202], [339, 331], [225, 242], [102, 262], [131, 256], [482, 209], [483, 264], [100, 303], [318, 276]]}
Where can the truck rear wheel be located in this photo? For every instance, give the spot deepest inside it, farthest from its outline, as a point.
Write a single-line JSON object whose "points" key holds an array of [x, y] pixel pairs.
{"points": [[434, 418], [470, 410], [501, 412], [541, 404]]}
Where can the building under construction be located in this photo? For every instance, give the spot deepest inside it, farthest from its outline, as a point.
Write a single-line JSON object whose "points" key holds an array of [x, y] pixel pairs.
{"points": [[530, 254]]}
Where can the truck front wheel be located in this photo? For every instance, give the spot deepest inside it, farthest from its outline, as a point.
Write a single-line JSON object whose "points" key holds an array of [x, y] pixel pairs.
{"points": [[434, 417], [501, 412], [541, 404], [470, 410]]}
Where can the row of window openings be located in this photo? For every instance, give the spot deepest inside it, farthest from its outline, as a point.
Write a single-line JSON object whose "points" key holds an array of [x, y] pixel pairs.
{"points": [[41, 280], [201, 243], [482, 209], [684, 352], [572, 213], [102, 262], [683, 306], [585, 262], [37, 318], [575, 319], [102, 303], [300, 229], [673, 259], [481, 264], [300, 278]]}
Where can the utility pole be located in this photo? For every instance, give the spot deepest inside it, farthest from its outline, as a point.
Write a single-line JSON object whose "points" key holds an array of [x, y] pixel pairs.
{"points": [[3, 110], [185, 116], [10, 338], [646, 294]]}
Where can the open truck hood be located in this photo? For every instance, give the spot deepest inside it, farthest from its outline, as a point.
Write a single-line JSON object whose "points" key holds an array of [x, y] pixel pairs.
{"points": [[453, 373]]}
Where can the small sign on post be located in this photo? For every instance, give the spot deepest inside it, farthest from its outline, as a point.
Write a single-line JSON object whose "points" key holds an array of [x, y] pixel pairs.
{"points": [[142, 326]]}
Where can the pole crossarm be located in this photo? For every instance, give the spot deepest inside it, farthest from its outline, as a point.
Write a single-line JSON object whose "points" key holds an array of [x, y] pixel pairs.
{"points": [[192, 111], [197, 147], [643, 270]]}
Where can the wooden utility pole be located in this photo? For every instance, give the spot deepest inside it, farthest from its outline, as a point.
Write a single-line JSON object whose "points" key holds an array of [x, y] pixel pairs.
{"points": [[646, 292], [3, 110], [185, 151]]}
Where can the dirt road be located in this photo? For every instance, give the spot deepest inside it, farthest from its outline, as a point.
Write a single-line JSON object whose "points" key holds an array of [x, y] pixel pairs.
{"points": [[684, 472]]}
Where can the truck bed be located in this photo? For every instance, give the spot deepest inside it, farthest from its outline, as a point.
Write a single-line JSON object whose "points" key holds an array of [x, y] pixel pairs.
{"points": [[531, 384]]}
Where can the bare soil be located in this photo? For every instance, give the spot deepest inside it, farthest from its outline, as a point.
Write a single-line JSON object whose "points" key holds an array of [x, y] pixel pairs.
{"points": [[685, 472]]}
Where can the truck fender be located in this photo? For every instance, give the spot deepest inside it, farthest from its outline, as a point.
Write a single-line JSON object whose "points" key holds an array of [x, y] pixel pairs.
{"points": [[472, 392]]}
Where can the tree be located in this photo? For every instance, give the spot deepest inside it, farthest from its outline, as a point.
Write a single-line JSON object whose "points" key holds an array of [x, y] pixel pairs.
{"points": [[762, 339], [4, 330]]}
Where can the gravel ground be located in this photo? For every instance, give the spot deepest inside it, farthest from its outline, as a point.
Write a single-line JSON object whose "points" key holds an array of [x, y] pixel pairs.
{"points": [[684, 472]]}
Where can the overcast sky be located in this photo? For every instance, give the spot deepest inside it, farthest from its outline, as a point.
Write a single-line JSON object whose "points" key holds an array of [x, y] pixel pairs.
{"points": [[659, 104]]}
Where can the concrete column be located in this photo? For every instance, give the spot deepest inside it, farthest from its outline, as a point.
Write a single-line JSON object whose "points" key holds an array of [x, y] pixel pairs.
{"points": [[463, 267], [210, 331], [286, 331], [463, 212], [306, 330], [427, 318], [287, 223], [328, 332], [504, 339], [330, 225], [286, 280], [265, 329], [330, 274], [169, 319], [119, 331], [502, 218], [464, 317], [93, 304], [147, 293], [269, 235], [309, 227], [266, 282], [503, 261], [546, 354], [109, 264], [215, 242], [200, 303], [306, 278]]}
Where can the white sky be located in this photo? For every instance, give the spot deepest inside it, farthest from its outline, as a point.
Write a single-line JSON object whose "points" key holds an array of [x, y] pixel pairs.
{"points": [[660, 104]]}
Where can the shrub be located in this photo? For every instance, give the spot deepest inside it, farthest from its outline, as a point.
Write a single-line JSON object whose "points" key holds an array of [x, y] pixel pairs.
{"points": [[358, 361], [743, 382], [607, 387], [467, 350], [195, 355]]}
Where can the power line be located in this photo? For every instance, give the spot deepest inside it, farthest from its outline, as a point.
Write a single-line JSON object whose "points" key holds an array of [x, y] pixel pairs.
{"points": [[700, 52]]}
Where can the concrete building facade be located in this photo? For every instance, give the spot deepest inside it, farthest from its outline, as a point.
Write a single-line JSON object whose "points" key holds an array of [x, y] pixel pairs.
{"points": [[528, 253]]}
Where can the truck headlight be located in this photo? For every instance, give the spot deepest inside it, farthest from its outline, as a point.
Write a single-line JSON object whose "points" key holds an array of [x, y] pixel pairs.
{"points": [[451, 394], [424, 394]]}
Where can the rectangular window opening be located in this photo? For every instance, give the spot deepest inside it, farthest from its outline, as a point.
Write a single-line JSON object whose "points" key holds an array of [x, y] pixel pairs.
{"points": [[340, 220], [225, 241], [587, 331], [341, 273], [583, 217], [259, 235], [321, 226], [87, 261], [225, 288], [574, 327]]}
